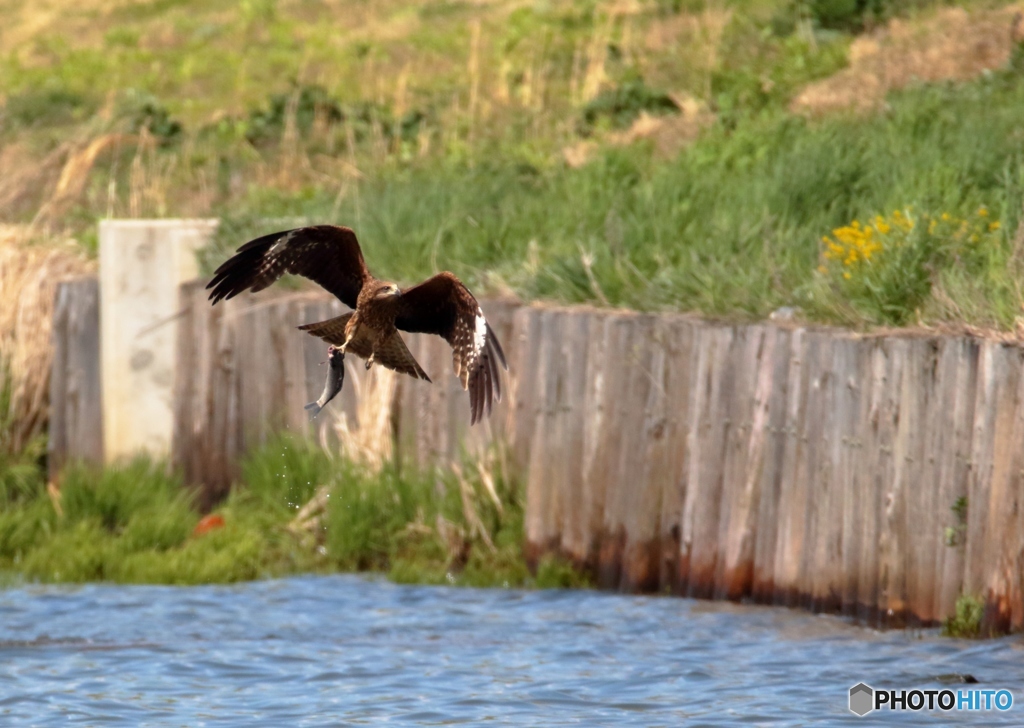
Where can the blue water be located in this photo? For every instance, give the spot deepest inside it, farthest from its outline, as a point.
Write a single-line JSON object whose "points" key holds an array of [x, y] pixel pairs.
{"points": [[343, 650]]}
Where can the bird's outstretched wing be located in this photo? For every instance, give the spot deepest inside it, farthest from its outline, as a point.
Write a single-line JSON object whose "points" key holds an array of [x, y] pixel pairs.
{"points": [[326, 254], [442, 305]]}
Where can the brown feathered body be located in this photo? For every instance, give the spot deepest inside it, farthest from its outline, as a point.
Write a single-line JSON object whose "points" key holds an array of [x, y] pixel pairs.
{"points": [[331, 256], [369, 332]]}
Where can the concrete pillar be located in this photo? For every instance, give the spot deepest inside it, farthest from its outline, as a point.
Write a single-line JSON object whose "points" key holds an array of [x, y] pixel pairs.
{"points": [[142, 264]]}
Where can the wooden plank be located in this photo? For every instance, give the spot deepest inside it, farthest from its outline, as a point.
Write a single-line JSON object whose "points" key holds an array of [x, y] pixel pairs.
{"points": [[76, 405], [855, 399], [763, 579], [816, 483], [541, 492], [835, 490], [876, 427], [667, 455], [597, 422], [893, 539], [791, 499], [620, 414], [927, 519], [979, 481], [525, 333], [714, 380], [639, 498], [958, 372], [747, 418], [797, 521], [189, 390], [918, 490], [1000, 557], [570, 417]]}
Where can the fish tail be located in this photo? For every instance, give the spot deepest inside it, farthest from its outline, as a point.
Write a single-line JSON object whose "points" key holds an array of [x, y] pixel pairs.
{"points": [[314, 409]]}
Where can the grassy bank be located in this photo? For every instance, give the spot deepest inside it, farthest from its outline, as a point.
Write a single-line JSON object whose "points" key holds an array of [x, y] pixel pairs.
{"points": [[136, 524], [657, 155], [734, 225]]}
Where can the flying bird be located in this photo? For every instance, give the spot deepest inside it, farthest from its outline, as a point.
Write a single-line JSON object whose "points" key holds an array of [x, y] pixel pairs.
{"points": [[330, 256]]}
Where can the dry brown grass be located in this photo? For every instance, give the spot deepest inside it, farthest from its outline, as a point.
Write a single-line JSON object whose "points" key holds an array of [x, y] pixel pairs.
{"points": [[950, 45], [29, 273], [368, 439]]}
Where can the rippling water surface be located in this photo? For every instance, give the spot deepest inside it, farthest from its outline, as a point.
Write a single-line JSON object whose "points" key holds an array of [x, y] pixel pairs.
{"points": [[346, 650]]}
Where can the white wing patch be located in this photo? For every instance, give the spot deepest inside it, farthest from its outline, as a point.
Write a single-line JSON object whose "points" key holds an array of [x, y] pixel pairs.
{"points": [[469, 342], [480, 334]]}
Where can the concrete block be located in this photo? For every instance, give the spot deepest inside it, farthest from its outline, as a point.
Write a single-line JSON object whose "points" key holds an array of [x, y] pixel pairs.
{"points": [[142, 265]]}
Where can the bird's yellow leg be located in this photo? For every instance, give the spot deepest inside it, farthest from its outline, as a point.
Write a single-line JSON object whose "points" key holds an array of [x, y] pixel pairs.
{"points": [[381, 339], [348, 338]]}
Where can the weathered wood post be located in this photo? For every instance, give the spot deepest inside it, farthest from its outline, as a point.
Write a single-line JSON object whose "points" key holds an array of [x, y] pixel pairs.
{"points": [[76, 420]]}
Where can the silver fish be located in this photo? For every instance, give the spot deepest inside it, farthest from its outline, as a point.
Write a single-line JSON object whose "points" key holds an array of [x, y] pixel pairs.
{"points": [[335, 378]]}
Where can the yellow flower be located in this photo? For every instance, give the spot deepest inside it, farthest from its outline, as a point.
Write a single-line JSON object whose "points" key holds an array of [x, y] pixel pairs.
{"points": [[946, 217], [982, 212], [993, 226], [822, 269], [847, 275]]}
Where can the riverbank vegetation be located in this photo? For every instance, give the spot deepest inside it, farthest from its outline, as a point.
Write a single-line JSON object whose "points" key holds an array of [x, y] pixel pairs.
{"points": [[859, 162], [137, 523], [658, 155]]}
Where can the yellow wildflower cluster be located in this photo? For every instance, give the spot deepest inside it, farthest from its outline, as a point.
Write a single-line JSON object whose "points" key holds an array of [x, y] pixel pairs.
{"points": [[854, 248], [959, 229], [855, 244]]}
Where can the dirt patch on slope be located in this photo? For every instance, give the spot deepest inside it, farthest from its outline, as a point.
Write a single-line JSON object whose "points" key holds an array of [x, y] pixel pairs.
{"points": [[951, 45]]}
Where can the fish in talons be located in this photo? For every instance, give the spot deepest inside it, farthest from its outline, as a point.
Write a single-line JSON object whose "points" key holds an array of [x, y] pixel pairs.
{"points": [[335, 378]]}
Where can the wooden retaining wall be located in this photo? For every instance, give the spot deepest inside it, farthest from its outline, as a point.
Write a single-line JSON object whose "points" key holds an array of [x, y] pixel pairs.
{"points": [[811, 468], [785, 465]]}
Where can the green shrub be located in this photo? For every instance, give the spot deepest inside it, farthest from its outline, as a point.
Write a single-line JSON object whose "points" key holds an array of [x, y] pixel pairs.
{"points": [[143, 110], [966, 622], [306, 103], [858, 14], [556, 573], [116, 496], [618, 107]]}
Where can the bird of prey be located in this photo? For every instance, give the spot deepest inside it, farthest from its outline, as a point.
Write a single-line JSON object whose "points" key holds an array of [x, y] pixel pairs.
{"points": [[330, 256]]}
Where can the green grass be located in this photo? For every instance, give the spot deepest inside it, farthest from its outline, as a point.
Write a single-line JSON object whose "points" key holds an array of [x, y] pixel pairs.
{"points": [[136, 524], [732, 227]]}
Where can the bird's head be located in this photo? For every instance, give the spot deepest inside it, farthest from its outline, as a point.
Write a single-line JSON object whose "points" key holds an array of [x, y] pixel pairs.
{"points": [[387, 290]]}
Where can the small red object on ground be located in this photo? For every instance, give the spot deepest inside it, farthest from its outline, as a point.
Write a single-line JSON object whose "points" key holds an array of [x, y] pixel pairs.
{"points": [[208, 523]]}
